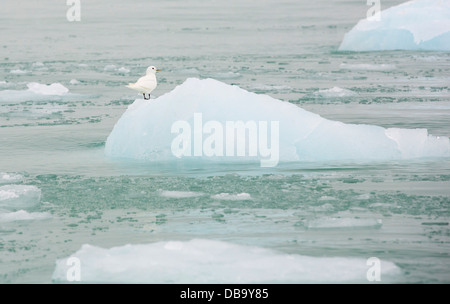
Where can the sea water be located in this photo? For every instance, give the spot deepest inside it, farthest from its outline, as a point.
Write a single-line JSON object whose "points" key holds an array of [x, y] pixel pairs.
{"points": [[316, 221]]}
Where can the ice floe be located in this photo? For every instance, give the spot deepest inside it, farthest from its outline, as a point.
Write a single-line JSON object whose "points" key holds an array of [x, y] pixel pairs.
{"points": [[210, 261]]}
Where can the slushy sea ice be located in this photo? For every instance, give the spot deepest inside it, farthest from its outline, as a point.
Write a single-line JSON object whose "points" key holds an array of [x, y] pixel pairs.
{"points": [[413, 25], [144, 131]]}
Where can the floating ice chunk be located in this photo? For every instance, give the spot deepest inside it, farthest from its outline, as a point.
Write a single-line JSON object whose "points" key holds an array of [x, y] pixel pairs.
{"points": [[364, 196], [74, 81], [19, 71], [323, 208], [113, 68], [43, 89], [187, 71], [368, 66], [225, 75], [110, 67], [413, 25], [7, 195], [39, 66], [23, 215], [10, 178], [180, 194], [145, 130], [264, 87], [334, 92], [207, 261], [123, 70], [8, 85], [415, 143], [327, 198], [16, 197], [344, 223], [35, 92], [382, 205], [232, 197]]}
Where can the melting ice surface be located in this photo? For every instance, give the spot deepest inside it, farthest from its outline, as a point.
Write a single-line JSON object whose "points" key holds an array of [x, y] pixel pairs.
{"points": [[414, 25], [144, 130], [201, 261]]}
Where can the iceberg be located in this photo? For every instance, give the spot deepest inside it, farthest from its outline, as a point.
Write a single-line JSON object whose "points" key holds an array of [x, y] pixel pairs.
{"points": [[413, 25], [144, 132], [201, 261]]}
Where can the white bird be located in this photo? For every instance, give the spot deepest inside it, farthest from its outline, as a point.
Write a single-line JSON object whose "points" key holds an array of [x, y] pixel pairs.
{"points": [[147, 83]]}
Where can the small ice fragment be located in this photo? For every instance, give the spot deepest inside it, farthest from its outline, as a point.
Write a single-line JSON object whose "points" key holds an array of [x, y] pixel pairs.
{"points": [[43, 89], [110, 67], [232, 197], [10, 178], [123, 70], [179, 194], [334, 92], [19, 71]]}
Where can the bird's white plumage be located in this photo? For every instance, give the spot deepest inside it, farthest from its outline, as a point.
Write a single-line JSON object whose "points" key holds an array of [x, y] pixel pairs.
{"points": [[147, 83]]}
